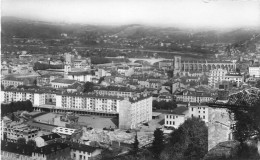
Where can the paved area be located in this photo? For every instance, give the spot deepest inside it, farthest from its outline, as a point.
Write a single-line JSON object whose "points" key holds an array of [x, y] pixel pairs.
{"points": [[98, 122]]}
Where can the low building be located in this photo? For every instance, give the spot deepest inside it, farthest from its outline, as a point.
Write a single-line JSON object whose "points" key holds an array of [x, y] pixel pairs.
{"points": [[254, 72], [62, 83], [65, 132], [176, 117], [11, 81], [83, 152], [234, 77], [47, 139], [16, 131], [216, 76]]}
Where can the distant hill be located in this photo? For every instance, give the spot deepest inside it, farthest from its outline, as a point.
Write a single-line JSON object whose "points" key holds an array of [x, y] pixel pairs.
{"points": [[24, 28]]}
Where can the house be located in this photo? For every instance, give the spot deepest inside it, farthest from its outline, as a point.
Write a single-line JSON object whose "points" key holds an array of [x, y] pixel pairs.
{"points": [[76, 87], [83, 152], [47, 139], [164, 97], [177, 85], [12, 81], [65, 132], [84, 76], [176, 117], [62, 83], [14, 131], [52, 151]]}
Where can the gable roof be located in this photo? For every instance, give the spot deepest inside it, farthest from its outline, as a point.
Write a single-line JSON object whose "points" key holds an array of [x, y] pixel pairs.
{"points": [[62, 80], [82, 147], [50, 136], [179, 110]]}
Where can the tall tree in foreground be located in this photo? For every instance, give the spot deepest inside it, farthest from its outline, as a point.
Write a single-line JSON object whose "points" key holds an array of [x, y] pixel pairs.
{"points": [[31, 142], [88, 87], [189, 141], [158, 144], [135, 145], [21, 140]]}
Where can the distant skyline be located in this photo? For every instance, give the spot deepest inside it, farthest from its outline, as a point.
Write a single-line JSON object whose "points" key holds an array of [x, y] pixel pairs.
{"points": [[169, 13]]}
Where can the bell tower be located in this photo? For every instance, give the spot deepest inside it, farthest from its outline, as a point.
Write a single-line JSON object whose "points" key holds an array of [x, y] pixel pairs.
{"points": [[67, 69], [177, 65]]}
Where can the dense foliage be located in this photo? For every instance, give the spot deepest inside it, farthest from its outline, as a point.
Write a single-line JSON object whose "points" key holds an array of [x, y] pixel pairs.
{"points": [[99, 60], [164, 105], [42, 66], [189, 141], [158, 144], [88, 87], [16, 106]]}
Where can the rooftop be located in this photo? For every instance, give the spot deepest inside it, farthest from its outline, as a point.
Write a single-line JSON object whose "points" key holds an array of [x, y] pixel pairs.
{"points": [[50, 136], [179, 110], [62, 80], [48, 149], [82, 147]]}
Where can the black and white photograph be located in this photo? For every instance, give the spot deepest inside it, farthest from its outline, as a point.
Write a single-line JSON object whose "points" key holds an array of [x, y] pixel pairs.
{"points": [[130, 80]]}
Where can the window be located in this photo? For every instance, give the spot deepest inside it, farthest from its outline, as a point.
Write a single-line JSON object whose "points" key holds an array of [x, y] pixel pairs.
{"points": [[166, 122], [203, 117], [74, 155], [191, 109]]}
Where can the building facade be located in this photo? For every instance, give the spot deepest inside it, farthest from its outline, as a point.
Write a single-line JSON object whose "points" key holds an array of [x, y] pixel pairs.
{"points": [[216, 76]]}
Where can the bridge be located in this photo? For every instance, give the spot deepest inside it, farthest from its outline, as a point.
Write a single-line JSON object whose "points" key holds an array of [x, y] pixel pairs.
{"points": [[149, 60]]}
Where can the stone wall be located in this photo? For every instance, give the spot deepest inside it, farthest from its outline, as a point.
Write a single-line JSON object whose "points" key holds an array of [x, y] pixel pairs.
{"points": [[218, 127]]}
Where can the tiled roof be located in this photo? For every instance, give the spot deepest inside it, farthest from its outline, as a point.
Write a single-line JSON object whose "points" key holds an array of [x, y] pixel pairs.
{"points": [[179, 110], [50, 136], [48, 149], [82, 147], [62, 80], [17, 149]]}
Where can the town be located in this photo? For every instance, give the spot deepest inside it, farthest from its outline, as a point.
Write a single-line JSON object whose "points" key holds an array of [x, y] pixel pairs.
{"points": [[127, 93]]}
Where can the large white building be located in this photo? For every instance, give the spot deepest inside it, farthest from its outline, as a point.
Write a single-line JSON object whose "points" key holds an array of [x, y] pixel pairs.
{"points": [[254, 72], [234, 77], [176, 117], [216, 76], [193, 96], [131, 111]]}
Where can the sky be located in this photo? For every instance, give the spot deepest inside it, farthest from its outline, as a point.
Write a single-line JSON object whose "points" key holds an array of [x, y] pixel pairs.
{"points": [[186, 13]]}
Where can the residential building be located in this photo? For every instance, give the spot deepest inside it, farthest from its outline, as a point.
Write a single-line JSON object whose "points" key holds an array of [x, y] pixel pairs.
{"points": [[84, 76], [11, 81], [116, 91], [176, 117], [199, 110], [83, 152], [62, 83], [216, 76], [234, 77], [15, 131], [47, 139], [193, 96], [254, 72]]}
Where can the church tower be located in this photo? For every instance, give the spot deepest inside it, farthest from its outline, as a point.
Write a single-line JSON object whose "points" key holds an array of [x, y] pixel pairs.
{"points": [[177, 65], [67, 69]]}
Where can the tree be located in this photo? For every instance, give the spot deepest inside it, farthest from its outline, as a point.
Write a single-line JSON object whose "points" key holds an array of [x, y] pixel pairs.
{"points": [[31, 142], [21, 140], [88, 87], [158, 144], [189, 141], [135, 145], [257, 84]]}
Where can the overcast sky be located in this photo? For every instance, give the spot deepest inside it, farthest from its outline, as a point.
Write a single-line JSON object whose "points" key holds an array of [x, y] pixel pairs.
{"points": [[188, 13]]}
